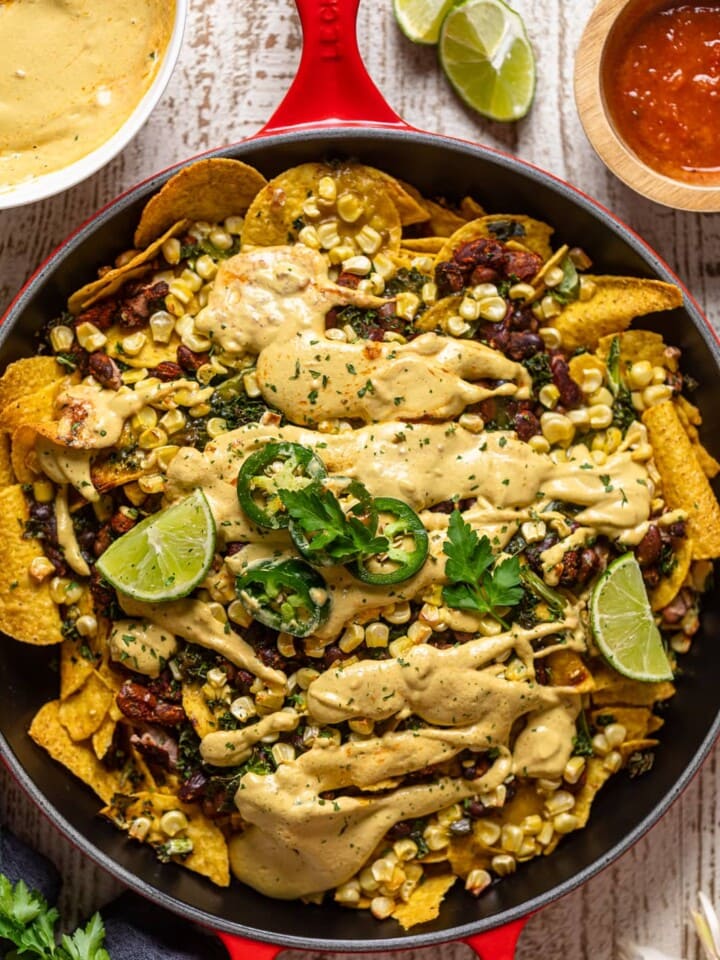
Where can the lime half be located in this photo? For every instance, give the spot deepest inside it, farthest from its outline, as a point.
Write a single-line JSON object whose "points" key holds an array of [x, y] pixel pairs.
{"points": [[420, 20], [166, 555], [486, 55], [623, 623]]}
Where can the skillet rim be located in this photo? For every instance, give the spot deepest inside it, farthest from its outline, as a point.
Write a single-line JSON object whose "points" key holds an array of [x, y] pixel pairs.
{"points": [[337, 136]]}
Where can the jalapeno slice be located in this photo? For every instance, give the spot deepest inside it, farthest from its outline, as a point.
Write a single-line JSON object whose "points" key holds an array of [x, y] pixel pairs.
{"points": [[337, 524], [286, 595], [407, 550], [287, 466]]}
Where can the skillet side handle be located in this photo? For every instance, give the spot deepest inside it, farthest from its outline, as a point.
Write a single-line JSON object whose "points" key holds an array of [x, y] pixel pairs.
{"points": [[497, 944], [331, 85]]}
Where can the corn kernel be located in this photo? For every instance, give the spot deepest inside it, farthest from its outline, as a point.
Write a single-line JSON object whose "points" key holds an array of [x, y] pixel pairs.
{"points": [[193, 341], [400, 646], [429, 292], [369, 241], [328, 234], [472, 422], [89, 337], [533, 530], [457, 327], [482, 291], [349, 207], [405, 849], [173, 822], [557, 429], [362, 726], [532, 825], [162, 325], [615, 734], [309, 236], [477, 881], [216, 426], [600, 745], [492, 309], [381, 907], [250, 382], [173, 420], [550, 307], [550, 337], [151, 438], [154, 483], [574, 769], [352, 637], [348, 893], [139, 828], [539, 444], [600, 416], [503, 864], [565, 823], [61, 338], [283, 753], [656, 393], [488, 832], [399, 613], [511, 838], [587, 289], [357, 265], [546, 834], [327, 188], [469, 309], [40, 569], [436, 837], [419, 632], [549, 396], [521, 291], [406, 305], [559, 802], [243, 708], [220, 239], [381, 262], [377, 634]]}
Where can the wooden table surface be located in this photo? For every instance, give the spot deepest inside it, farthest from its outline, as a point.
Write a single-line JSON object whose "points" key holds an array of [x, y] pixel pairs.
{"points": [[236, 63]]}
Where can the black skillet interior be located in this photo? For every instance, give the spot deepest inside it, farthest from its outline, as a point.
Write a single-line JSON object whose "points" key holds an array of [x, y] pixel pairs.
{"points": [[622, 812]]}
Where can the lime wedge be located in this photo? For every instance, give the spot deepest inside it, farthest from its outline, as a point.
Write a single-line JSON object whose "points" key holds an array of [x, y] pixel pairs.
{"points": [[166, 555], [420, 20], [623, 624], [487, 57]]}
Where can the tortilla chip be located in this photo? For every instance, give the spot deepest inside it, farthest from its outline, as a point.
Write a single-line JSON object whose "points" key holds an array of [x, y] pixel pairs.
{"points": [[24, 377], [111, 281], [709, 465], [74, 668], [443, 222], [437, 316], [596, 775], [470, 209], [638, 721], [196, 707], [30, 408], [209, 855], [277, 215], [83, 712], [567, 669], [27, 612], [23, 457], [103, 737], [425, 900], [669, 587], [612, 689], [638, 345], [407, 199], [685, 485], [420, 245], [612, 308], [7, 474], [691, 419], [206, 190], [533, 234], [152, 353], [108, 473], [47, 731]]}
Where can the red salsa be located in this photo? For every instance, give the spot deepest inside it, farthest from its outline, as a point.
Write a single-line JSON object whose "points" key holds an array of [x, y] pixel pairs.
{"points": [[662, 88]]}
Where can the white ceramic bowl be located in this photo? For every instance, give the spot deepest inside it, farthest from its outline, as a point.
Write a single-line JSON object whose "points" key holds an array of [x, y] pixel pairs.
{"points": [[58, 180]]}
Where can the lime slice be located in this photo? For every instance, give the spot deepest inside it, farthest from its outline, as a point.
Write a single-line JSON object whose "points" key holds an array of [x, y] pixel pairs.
{"points": [[166, 555], [623, 623], [420, 20], [487, 57]]}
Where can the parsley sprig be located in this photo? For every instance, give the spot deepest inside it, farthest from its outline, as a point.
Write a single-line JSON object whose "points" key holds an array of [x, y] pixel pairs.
{"points": [[341, 536], [28, 923], [477, 583]]}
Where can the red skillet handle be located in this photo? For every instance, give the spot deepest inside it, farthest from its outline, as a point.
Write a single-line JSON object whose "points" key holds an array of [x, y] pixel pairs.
{"points": [[497, 944], [332, 85]]}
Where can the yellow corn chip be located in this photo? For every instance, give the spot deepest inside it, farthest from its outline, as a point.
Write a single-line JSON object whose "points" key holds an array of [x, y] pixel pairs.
{"points": [[595, 776], [83, 712], [196, 707], [684, 483], [23, 458], [279, 210], [437, 316], [74, 668], [612, 308], [669, 587], [79, 758], [406, 198], [612, 689], [638, 721], [425, 901], [209, 855], [27, 612], [442, 221], [206, 190], [421, 245], [7, 474], [470, 209], [108, 472], [24, 377], [30, 408], [111, 281], [103, 737], [636, 345], [151, 355], [568, 670], [533, 234]]}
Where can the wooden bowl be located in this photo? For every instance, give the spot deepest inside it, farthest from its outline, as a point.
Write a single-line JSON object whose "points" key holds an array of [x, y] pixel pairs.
{"points": [[606, 27]]}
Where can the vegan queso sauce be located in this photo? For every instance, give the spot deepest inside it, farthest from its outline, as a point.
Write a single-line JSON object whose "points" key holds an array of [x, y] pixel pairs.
{"points": [[661, 78], [71, 73]]}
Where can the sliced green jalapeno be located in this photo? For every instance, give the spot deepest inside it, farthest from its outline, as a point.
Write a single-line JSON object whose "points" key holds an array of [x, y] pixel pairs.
{"points": [[407, 550], [287, 466], [333, 521], [286, 595]]}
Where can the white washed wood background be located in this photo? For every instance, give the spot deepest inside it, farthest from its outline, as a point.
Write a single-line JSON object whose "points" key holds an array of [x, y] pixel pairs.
{"points": [[237, 60]]}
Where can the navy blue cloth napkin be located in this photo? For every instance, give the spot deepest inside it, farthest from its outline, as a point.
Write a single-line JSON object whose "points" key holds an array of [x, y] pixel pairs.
{"points": [[135, 928]]}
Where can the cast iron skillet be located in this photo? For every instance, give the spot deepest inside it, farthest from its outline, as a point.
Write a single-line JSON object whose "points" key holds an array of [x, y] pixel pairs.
{"points": [[333, 110]]}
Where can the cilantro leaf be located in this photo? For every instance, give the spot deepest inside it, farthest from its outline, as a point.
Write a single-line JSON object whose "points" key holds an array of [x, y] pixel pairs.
{"points": [[28, 923], [476, 582], [325, 529]]}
